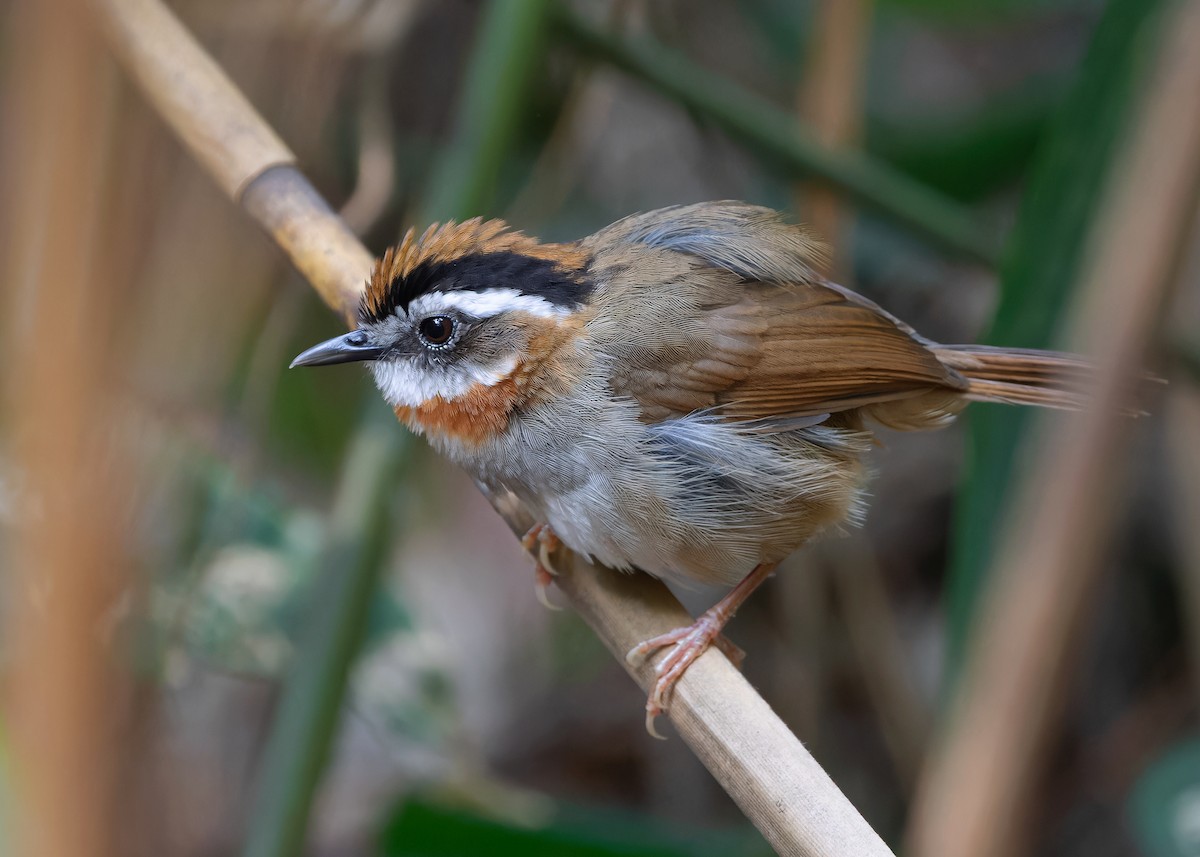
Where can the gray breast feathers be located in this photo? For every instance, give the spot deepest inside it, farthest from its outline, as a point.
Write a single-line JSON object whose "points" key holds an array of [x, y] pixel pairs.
{"points": [[704, 499]]}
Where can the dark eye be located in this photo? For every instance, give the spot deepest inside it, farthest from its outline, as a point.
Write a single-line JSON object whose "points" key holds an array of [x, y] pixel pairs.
{"points": [[437, 329]]}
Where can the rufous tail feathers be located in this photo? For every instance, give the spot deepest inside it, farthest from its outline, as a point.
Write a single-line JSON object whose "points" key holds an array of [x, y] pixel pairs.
{"points": [[1021, 376]]}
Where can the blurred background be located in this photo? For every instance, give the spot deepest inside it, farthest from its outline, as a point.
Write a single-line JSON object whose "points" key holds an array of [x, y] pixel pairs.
{"points": [[963, 148]]}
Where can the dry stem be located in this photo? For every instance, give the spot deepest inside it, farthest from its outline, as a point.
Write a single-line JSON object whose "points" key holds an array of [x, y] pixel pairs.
{"points": [[831, 102], [61, 693]]}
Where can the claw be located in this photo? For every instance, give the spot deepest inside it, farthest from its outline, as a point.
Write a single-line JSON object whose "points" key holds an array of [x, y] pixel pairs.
{"points": [[689, 643], [547, 544], [541, 586], [652, 711], [541, 542]]}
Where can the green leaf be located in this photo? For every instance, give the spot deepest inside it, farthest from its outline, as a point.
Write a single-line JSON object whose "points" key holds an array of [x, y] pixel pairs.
{"points": [[425, 829], [1040, 269], [971, 155]]}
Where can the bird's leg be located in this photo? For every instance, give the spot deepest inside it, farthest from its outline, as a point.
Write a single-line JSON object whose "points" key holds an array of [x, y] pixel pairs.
{"points": [[541, 537], [691, 641]]}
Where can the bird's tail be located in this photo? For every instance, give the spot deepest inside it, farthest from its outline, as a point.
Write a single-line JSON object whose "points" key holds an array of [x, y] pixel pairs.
{"points": [[1021, 376]]}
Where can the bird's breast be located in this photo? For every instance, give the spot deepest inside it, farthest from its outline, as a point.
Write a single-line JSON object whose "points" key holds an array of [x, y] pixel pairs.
{"points": [[474, 417]]}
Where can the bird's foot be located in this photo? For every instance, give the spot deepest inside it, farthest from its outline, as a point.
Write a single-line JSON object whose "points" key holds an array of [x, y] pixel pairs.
{"points": [[689, 643], [542, 542], [692, 641]]}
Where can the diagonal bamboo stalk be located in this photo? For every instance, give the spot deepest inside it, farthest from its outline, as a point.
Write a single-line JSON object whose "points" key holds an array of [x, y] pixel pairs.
{"points": [[752, 754], [976, 797]]}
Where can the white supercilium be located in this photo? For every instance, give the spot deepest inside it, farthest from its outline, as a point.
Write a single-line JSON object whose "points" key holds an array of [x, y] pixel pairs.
{"points": [[484, 304]]}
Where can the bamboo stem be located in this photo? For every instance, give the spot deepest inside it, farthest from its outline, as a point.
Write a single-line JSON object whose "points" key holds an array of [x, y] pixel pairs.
{"points": [[203, 106], [315, 239], [749, 750], [976, 797]]}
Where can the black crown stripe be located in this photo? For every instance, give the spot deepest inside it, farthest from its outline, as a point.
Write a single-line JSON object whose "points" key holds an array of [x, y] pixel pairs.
{"points": [[478, 272]]}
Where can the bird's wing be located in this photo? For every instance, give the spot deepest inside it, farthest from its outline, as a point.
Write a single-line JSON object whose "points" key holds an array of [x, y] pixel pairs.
{"points": [[717, 306]]}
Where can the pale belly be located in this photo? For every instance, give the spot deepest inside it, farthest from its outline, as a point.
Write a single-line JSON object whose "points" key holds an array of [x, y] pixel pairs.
{"points": [[693, 499]]}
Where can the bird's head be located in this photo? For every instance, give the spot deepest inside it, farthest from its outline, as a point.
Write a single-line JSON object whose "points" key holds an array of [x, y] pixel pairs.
{"points": [[465, 324]]}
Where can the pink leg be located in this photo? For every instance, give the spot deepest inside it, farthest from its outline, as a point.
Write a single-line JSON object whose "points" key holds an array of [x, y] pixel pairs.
{"points": [[541, 537], [692, 641]]}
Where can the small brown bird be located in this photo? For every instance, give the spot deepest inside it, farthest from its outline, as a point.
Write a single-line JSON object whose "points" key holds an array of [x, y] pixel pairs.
{"points": [[680, 393]]}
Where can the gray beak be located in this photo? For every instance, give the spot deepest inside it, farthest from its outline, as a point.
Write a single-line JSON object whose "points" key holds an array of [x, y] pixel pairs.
{"points": [[352, 347]]}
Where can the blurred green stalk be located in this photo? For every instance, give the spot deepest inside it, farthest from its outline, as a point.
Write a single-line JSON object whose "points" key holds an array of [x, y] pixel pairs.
{"points": [[779, 136], [306, 724], [510, 44], [1040, 270], [977, 151]]}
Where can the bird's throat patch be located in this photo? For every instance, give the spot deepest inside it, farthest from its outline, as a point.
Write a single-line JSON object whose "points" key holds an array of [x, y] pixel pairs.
{"points": [[477, 415]]}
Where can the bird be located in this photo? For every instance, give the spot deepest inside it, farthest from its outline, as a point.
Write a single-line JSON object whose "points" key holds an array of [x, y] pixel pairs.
{"points": [[681, 393]]}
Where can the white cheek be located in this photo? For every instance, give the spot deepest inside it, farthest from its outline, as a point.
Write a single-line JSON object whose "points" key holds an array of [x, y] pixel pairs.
{"points": [[403, 383]]}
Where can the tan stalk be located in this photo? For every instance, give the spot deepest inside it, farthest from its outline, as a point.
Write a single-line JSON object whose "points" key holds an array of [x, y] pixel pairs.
{"points": [[66, 571]]}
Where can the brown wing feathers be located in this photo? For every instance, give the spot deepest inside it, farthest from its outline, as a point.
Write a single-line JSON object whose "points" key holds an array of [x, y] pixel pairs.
{"points": [[747, 326], [823, 353]]}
